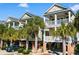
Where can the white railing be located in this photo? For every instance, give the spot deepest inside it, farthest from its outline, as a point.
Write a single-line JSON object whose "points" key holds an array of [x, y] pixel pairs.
{"points": [[65, 20], [15, 27], [52, 39], [50, 23], [57, 39]]}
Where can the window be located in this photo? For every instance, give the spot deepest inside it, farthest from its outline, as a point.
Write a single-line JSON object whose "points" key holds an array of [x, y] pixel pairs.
{"points": [[47, 33], [16, 23], [11, 23]]}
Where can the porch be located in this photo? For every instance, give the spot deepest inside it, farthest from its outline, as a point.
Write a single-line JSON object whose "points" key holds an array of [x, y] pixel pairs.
{"points": [[56, 18], [50, 23]]}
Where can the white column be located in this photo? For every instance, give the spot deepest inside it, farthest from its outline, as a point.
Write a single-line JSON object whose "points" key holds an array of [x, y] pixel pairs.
{"points": [[39, 33], [26, 22], [44, 43], [55, 21], [27, 44], [77, 35], [69, 14], [44, 36], [13, 24], [19, 23], [8, 25], [44, 19]]}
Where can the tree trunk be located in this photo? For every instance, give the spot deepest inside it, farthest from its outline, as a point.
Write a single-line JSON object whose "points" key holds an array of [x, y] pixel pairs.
{"points": [[19, 44], [6, 44], [36, 43], [70, 49], [26, 44], [39, 45], [33, 48], [1, 44], [64, 47], [49, 45], [11, 43], [44, 46], [44, 43]]}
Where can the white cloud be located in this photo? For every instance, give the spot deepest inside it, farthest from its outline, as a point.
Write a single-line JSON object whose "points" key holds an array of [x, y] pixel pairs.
{"points": [[75, 8], [25, 5]]}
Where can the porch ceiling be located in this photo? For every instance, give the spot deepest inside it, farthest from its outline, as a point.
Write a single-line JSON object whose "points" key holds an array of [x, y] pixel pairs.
{"points": [[60, 14]]}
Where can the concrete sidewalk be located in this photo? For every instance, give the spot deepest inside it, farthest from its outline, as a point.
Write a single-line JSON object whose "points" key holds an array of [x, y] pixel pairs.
{"points": [[3, 52]]}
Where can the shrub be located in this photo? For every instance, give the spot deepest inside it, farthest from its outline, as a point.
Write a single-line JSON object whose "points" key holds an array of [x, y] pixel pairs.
{"points": [[20, 50], [3, 47], [77, 49], [26, 51]]}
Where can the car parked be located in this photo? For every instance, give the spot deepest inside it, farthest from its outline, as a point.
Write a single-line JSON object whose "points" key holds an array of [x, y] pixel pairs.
{"points": [[12, 48]]}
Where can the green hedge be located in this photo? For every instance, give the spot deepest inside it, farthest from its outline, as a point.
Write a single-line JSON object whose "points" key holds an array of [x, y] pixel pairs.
{"points": [[26, 51], [20, 50], [77, 49], [23, 50]]}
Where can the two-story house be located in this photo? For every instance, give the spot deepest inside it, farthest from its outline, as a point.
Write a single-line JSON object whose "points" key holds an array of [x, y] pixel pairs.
{"points": [[19, 23], [53, 18]]}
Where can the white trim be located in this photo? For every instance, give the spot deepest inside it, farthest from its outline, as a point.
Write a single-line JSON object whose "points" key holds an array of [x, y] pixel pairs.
{"points": [[44, 19], [69, 14], [13, 24], [77, 35], [46, 29], [55, 4], [49, 8], [44, 35], [55, 21], [8, 25]]}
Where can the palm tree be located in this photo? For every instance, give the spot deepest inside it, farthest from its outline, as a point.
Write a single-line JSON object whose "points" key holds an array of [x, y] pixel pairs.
{"points": [[34, 24], [2, 31], [23, 34], [72, 32], [62, 31], [55, 33], [76, 21], [66, 31], [11, 35]]}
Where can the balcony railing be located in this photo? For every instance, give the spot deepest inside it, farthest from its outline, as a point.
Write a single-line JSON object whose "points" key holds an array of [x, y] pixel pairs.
{"points": [[52, 39], [58, 39], [52, 23]]}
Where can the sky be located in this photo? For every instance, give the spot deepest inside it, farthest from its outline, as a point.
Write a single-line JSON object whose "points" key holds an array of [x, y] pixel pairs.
{"points": [[18, 9]]}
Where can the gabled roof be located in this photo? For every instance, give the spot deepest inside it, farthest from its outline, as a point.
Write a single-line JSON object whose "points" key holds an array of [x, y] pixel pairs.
{"points": [[12, 19], [57, 5], [62, 9], [2, 22], [29, 14], [26, 16]]}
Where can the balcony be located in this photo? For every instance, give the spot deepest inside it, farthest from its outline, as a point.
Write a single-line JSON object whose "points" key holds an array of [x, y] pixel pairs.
{"points": [[15, 27], [58, 39], [58, 23], [53, 39]]}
